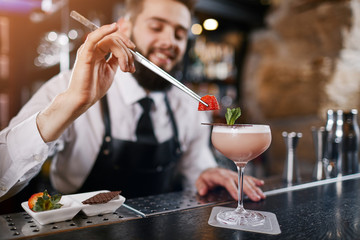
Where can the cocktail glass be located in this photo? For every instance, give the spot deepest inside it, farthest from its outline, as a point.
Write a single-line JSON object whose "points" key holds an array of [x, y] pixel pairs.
{"points": [[241, 143]]}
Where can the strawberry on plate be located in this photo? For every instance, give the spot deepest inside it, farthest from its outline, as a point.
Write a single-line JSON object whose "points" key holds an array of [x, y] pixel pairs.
{"points": [[43, 201], [32, 200], [211, 102]]}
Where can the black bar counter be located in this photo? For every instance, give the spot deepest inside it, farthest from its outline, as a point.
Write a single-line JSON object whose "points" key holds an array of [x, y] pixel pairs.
{"points": [[326, 209]]}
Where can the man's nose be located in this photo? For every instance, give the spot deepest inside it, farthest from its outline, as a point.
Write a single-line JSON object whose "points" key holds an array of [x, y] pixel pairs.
{"points": [[168, 39]]}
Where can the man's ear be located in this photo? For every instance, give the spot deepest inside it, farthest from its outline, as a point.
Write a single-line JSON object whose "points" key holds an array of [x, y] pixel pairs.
{"points": [[124, 26]]}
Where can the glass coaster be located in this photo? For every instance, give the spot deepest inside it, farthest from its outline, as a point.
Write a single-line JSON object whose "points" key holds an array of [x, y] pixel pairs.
{"points": [[271, 225]]}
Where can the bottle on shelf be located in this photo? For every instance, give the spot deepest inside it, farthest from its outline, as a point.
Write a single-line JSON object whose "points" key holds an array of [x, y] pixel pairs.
{"points": [[334, 146], [351, 142]]}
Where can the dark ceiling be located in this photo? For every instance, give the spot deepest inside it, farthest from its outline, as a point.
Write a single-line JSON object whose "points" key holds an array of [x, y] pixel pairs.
{"points": [[243, 14]]}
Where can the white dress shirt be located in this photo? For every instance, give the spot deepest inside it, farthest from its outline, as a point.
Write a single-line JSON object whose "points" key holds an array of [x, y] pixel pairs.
{"points": [[23, 151]]}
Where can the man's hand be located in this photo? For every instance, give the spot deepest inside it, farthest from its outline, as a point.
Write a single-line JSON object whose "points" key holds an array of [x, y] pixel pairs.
{"points": [[228, 179], [91, 78], [93, 74]]}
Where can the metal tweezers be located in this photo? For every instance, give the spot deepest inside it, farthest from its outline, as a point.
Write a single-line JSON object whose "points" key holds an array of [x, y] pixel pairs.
{"points": [[141, 59]]}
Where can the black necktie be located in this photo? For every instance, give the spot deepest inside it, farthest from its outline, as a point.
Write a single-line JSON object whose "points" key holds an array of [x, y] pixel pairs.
{"points": [[144, 130]]}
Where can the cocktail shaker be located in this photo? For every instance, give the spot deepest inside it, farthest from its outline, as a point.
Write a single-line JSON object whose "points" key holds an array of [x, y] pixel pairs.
{"points": [[340, 142], [291, 172], [319, 138]]}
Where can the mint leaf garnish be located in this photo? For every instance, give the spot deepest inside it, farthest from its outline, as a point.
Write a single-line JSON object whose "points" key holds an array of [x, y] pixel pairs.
{"points": [[232, 115]]}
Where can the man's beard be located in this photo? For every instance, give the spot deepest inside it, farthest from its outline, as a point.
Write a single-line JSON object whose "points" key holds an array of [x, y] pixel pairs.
{"points": [[150, 80]]}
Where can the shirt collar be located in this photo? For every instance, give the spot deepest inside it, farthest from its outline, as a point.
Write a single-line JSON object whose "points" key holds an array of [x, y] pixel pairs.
{"points": [[132, 92]]}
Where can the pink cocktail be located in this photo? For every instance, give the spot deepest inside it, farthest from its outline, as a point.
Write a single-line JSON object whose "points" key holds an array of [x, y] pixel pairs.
{"points": [[241, 143]]}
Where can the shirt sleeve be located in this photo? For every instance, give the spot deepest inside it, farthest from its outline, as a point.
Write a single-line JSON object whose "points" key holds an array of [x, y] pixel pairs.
{"points": [[22, 150], [22, 154]]}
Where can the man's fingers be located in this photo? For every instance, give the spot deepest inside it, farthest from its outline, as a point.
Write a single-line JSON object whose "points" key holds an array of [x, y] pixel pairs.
{"points": [[251, 190], [229, 180], [201, 187], [231, 187], [94, 37], [113, 63], [260, 192], [217, 177], [119, 46], [125, 57], [256, 181], [107, 39]]}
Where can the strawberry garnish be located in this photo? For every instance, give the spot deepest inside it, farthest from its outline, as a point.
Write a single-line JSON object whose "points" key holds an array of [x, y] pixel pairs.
{"points": [[32, 200], [42, 201], [211, 101]]}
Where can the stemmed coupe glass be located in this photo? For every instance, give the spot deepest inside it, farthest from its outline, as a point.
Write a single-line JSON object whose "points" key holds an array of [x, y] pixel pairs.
{"points": [[241, 143]]}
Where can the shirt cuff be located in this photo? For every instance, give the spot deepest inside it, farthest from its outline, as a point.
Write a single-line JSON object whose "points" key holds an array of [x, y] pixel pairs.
{"points": [[27, 152], [25, 143]]}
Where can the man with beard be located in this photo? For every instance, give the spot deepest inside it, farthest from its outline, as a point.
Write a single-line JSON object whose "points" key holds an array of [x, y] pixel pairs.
{"points": [[88, 117]]}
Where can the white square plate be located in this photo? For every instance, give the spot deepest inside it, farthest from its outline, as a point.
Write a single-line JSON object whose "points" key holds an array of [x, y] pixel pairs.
{"points": [[96, 209], [69, 209]]}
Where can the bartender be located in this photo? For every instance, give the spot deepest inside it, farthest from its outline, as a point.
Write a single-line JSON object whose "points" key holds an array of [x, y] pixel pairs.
{"points": [[112, 123]]}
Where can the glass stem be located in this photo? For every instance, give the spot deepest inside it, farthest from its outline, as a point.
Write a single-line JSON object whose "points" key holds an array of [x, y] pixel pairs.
{"points": [[240, 207]]}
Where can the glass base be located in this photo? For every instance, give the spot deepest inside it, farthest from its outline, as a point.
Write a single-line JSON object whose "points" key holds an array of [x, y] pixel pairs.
{"points": [[243, 217], [270, 226]]}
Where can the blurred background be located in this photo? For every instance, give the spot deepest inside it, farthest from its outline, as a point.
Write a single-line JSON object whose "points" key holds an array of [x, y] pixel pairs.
{"points": [[284, 62]]}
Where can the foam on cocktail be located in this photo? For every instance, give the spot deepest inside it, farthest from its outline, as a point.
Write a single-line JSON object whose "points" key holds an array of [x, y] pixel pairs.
{"points": [[242, 128]]}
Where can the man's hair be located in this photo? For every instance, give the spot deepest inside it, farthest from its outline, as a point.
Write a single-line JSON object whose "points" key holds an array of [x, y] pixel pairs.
{"points": [[135, 7]]}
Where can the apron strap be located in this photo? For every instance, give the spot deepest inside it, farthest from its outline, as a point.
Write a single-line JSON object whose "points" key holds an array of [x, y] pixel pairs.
{"points": [[173, 124], [106, 116]]}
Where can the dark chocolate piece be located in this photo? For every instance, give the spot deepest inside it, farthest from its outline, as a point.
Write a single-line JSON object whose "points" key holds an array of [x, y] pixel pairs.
{"points": [[101, 197]]}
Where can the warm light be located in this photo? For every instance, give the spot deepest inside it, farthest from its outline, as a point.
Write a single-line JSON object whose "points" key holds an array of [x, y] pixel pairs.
{"points": [[52, 36], [196, 29], [73, 34], [46, 5], [210, 24], [63, 39]]}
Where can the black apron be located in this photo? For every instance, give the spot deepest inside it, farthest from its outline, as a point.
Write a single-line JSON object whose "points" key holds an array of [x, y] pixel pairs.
{"points": [[137, 169]]}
